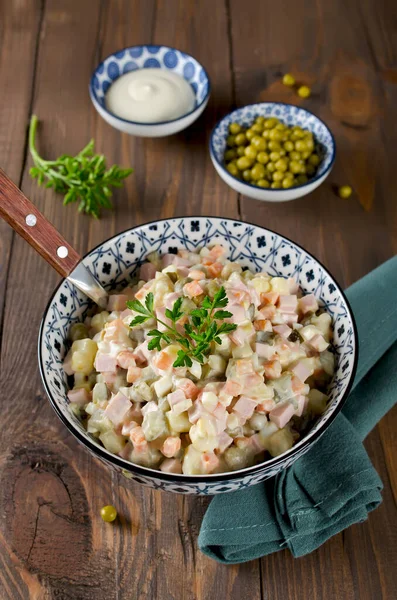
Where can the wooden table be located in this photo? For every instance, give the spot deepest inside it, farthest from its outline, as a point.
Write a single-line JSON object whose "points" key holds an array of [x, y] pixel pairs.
{"points": [[53, 543]]}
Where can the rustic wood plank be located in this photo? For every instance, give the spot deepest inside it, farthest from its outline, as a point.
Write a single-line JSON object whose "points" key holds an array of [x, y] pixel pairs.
{"points": [[352, 77], [19, 26]]}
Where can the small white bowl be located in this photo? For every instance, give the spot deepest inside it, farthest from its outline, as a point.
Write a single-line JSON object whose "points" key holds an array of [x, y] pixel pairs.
{"points": [[290, 115], [149, 56]]}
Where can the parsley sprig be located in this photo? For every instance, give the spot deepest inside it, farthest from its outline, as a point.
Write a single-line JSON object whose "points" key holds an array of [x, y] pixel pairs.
{"points": [[82, 178], [203, 326]]}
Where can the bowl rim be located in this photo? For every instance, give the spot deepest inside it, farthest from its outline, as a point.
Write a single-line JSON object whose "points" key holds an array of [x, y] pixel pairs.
{"points": [[94, 99], [101, 453], [255, 187]]}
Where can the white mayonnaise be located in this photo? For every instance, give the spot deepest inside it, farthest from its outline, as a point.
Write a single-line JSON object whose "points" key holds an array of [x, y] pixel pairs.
{"points": [[150, 96]]}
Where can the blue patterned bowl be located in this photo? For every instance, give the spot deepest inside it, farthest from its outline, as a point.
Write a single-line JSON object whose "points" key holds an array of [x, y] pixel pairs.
{"points": [[114, 263], [148, 56], [290, 115]]}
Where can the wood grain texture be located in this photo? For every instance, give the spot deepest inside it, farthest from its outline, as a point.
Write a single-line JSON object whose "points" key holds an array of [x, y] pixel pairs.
{"points": [[52, 542], [19, 39]]}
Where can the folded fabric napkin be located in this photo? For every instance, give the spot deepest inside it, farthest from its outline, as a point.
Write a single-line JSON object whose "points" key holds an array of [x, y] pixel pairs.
{"points": [[334, 484]]}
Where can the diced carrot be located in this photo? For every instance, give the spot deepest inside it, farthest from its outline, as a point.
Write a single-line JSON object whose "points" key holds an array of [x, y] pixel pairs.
{"points": [[269, 297], [297, 385], [192, 289], [137, 436], [209, 461], [272, 369], [262, 325], [232, 388], [244, 366], [268, 311], [215, 269], [171, 446], [266, 406], [133, 374], [207, 260], [189, 388], [164, 361], [217, 251], [125, 359], [196, 274]]}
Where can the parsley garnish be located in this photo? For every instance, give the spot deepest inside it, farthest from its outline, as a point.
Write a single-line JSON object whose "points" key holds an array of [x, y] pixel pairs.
{"points": [[82, 178], [202, 328]]}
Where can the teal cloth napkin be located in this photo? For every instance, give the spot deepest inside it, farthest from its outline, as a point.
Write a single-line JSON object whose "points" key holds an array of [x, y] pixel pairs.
{"points": [[334, 484]]}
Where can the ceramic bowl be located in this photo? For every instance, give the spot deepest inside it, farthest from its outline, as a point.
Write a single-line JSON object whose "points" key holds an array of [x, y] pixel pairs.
{"points": [[114, 263], [290, 115], [147, 56]]}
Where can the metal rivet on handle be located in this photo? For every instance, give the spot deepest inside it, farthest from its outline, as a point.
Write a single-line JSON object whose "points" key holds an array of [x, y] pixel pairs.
{"points": [[62, 252], [31, 220]]}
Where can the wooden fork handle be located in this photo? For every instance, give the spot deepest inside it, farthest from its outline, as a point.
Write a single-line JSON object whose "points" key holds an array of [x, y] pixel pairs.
{"points": [[30, 224]]}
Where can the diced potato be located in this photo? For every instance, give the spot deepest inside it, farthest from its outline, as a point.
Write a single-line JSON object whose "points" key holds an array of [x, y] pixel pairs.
{"points": [[81, 381], [178, 423], [323, 323], [327, 360], [280, 442], [317, 402], [98, 322], [100, 393], [192, 461], [280, 285], [195, 369], [99, 423], [141, 391], [223, 348], [217, 363], [238, 458], [150, 458], [154, 425], [163, 386], [83, 356], [266, 432], [230, 268], [309, 332], [112, 441], [209, 400], [257, 421], [260, 285], [244, 351]]}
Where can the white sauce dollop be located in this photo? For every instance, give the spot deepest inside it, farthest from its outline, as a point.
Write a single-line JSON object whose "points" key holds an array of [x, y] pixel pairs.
{"points": [[150, 96]]}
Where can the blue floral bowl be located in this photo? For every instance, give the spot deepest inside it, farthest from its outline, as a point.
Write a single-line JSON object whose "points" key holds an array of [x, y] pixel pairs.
{"points": [[115, 262], [290, 115], [148, 56]]}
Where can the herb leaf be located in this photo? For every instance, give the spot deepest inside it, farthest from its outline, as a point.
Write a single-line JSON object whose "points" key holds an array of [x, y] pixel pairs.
{"points": [[82, 178]]}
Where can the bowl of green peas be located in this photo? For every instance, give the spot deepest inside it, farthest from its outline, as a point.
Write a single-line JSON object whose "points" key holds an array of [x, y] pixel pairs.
{"points": [[272, 151]]}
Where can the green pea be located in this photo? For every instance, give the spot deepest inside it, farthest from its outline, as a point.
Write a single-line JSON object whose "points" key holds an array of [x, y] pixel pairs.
{"points": [[230, 154], [275, 135], [240, 139], [108, 513], [250, 151], [257, 127], [258, 172], [274, 156], [270, 123], [278, 176], [301, 179], [265, 133], [232, 168], [289, 146], [258, 142], [249, 134], [260, 120], [244, 163], [234, 128], [231, 140], [300, 146], [246, 175], [345, 191], [281, 165], [263, 158], [295, 155], [271, 167], [306, 154], [274, 146], [263, 183], [240, 150], [287, 182], [294, 167], [314, 160], [276, 185]]}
